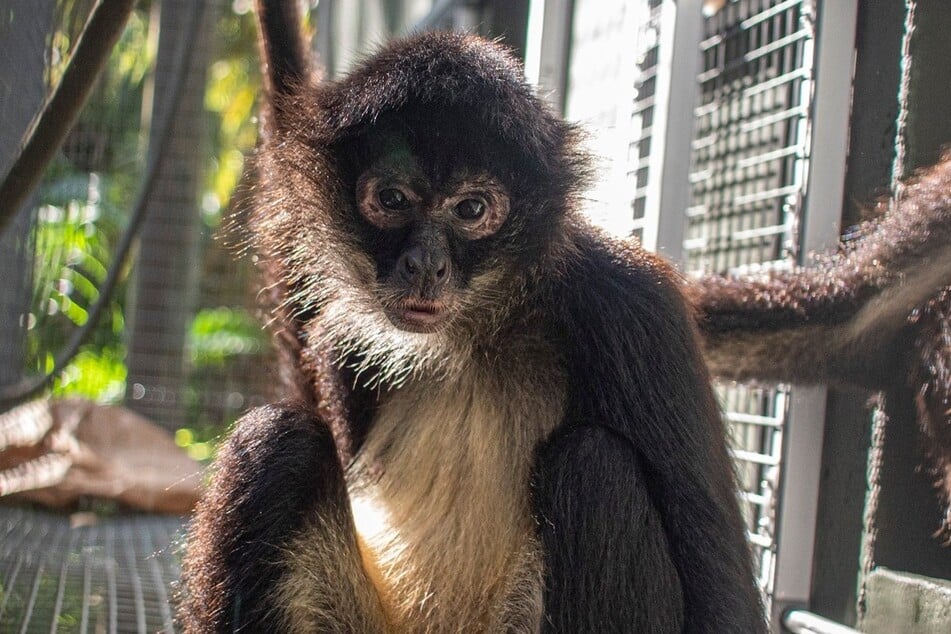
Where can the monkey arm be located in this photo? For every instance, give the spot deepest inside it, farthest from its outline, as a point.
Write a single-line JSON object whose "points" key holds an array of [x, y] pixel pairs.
{"points": [[635, 370], [608, 563], [846, 319], [272, 531]]}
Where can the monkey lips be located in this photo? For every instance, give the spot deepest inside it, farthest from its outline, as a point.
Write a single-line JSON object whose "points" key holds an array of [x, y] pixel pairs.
{"points": [[417, 314]]}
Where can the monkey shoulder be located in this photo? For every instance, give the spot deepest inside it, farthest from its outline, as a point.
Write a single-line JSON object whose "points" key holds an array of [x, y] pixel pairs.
{"points": [[628, 340], [614, 288]]}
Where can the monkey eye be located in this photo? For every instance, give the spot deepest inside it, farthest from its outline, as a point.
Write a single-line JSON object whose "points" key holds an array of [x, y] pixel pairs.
{"points": [[470, 209], [393, 199]]}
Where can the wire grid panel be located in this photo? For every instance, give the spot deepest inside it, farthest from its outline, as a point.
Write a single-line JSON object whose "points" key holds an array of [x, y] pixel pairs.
{"points": [[114, 576], [750, 143], [747, 187], [755, 418]]}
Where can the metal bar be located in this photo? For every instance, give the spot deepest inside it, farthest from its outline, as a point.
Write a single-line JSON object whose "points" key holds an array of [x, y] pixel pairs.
{"points": [[799, 73], [757, 159], [8, 584], [756, 458], [60, 590], [750, 22], [138, 598], [830, 127], [834, 53], [775, 117], [788, 190], [755, 498], [159, 583], [768, 13], [31, 602], [668, 195], [803, 622], [754, 419], [759, 232], [756, 54], [87, 585], [110, 566]]}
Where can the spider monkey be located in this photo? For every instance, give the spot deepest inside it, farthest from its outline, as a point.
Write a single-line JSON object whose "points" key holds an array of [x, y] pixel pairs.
{"points": [[501, 418]]}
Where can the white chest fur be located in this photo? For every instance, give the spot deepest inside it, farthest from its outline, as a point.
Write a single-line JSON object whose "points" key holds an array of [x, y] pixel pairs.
{"points": [[440, 496]]}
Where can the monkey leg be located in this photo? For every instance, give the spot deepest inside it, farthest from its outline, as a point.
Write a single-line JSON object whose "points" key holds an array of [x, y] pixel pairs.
{"points": [[272, 546], [608, 565]]}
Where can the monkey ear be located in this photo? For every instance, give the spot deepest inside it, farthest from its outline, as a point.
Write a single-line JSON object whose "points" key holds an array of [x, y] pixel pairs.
{"points": [[285, 59]]}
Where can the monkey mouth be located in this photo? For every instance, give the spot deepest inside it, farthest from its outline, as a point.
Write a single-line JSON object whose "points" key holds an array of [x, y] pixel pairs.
{"points": [[417, 314]]}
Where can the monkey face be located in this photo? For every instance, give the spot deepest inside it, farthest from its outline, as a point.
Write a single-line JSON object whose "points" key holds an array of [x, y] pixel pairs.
{"points": [[423, 234]]}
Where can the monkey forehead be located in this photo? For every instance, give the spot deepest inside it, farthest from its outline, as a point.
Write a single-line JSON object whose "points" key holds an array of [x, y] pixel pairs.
{"points": [[444, 161], [479, 82]]}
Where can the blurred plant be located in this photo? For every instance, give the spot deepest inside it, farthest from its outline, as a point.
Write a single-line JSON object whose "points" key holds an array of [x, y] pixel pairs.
{"points": [[83, 202], [226, 344], [219, 334], [85, 199], [231, 96]]}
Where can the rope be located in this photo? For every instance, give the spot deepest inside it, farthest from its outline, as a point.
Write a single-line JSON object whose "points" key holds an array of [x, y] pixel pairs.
{"points": [[898, 165], [873, 491]]}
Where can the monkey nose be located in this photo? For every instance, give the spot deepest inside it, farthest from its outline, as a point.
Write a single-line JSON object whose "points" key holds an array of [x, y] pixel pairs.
{"points": [[420, 266]]}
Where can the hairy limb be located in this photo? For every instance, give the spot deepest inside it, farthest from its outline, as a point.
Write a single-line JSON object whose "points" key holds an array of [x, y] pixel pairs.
{"points": [[635, 368], [272, 544], [848, 317], [875, 314], [286, 62], [605, 548]]}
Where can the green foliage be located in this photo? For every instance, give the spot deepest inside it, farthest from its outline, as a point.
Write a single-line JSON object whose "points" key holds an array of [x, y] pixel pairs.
{"points": [[84, 204], [217, 335], [231, 96], [221, 340], [199, 443], [73, 240], [96, 374]]}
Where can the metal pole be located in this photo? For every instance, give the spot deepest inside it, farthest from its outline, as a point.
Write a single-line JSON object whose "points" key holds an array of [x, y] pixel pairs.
{"points": [[803, 622]]}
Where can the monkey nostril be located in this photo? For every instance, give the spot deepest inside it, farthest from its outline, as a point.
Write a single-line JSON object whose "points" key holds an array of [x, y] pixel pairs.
{"points": [[412, 262], [442, 269], [418, 265]]}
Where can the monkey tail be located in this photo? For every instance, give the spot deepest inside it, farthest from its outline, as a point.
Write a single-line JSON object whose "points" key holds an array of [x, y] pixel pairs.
{"points": [[286, 62]]}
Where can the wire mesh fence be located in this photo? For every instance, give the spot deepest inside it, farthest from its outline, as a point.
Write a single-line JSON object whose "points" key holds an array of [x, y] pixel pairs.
{"points": [[116, 575], [747, 183]]}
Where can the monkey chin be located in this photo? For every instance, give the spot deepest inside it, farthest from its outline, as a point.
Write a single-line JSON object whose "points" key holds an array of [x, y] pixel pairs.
{"points": [[418, 315]]}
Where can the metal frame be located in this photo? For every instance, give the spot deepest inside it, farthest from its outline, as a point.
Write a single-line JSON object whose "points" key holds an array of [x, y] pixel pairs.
{"points": [[546, 49], [803, 622], [672, 131], [831, 108]]}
